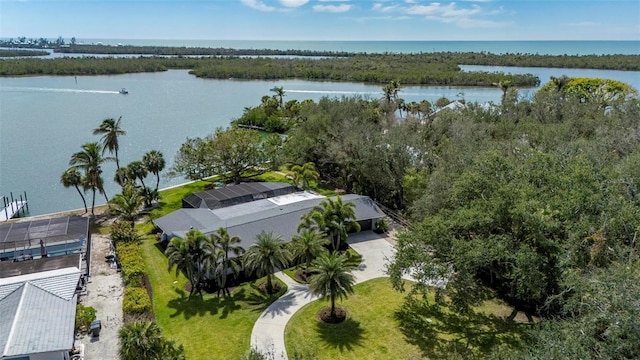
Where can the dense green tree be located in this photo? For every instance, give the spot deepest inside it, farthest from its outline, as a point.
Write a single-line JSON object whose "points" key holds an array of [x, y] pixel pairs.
{"points": [[110, 130], [90, 161], [144, 340], [267, 253], [154, 162], [234, 153], [72, 177], [331, 276]]}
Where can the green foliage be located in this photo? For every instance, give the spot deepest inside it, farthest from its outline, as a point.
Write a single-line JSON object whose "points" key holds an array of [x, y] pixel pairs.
{"points": [[233, 153], [331, 276], [84, 316], [381, 226], [267, 253], [144, 340], [131, 261], [603, 92], [123, 232], [136, 303]]}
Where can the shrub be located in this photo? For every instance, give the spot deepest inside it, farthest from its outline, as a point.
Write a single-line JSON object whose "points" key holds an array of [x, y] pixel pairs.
{"points": [[131, 262], [84, 316], [381, 226], [123, 232], [136, 303]]}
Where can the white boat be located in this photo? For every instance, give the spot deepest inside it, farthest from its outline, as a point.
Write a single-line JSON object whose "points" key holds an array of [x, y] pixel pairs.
{"points": [[124, 91]]}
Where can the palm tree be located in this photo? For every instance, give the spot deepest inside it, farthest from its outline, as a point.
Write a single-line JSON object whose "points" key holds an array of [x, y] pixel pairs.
{"points": [[178, 253], [266, 254], [138, 170], [72, 177], [504, 85], [334, 218], [90, 160], [123, 175], [279, 90], [154, 162], [126, 204], [195, 256], [331, 276], [308, 245], [110, 130], [303, 175], [144, 340], [228, 244]]}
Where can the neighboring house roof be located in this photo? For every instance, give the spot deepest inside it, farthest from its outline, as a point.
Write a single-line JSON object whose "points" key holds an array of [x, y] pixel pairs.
{"points": [[67, 233], [236, 194], [37, 312], [279, 214], [9, 268]]}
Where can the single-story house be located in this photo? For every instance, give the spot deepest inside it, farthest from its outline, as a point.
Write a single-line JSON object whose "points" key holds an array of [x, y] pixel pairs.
{"points": [[280, 215], [37, 314]]}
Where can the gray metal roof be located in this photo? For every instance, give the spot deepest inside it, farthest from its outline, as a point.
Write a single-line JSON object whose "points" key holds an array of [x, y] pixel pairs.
{"points": [[52, 230], [37, 312], [280, 214]]}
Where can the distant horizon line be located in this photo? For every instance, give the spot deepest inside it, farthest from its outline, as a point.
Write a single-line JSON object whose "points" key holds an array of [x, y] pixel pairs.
{"points": [[318, 40]]}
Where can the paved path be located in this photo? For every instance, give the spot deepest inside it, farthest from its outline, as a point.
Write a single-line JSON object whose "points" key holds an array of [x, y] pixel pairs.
{"points": [[268, 331]]}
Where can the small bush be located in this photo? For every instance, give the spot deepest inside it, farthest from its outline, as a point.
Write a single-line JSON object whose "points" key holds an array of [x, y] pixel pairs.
{"points": [[381, 226], [131, 262], [84, 316], [136, 303], [123, 232]]}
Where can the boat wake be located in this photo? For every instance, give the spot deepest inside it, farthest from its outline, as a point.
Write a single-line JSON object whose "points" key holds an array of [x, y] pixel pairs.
{"points": [[40, 89]]}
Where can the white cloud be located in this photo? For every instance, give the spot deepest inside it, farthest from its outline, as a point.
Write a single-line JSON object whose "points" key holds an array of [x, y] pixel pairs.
{"points": [[469, 16], [258, 5], [293, 3], [381, 8], [332, 8]]}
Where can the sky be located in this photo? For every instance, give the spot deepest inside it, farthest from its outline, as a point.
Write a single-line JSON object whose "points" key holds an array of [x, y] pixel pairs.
{"points": [[334, 20]]}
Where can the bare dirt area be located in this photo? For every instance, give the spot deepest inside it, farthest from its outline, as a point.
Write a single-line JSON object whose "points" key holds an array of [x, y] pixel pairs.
{"points": [[104, 293]]}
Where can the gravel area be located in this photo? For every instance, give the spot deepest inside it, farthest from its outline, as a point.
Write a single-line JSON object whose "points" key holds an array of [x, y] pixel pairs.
{"points": [[104, 293]]}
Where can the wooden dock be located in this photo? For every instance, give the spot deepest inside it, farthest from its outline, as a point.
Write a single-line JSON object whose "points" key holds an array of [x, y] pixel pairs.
{"points": [[12, 208]]}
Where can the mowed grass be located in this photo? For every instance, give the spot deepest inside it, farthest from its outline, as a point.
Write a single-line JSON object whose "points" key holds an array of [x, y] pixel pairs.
{"points": [[380, 327], [209, 327], [371, 331]]}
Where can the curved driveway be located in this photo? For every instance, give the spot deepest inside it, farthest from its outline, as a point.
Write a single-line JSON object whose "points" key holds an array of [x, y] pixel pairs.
{"points": [[268, 331]]}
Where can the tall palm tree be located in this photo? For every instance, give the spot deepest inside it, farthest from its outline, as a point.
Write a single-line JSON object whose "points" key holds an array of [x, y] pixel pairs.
{"points": [[228, 245], [144, 340], [303, 175], [126, 204], [110, 130], [90, 160], [504, 85], [266, 254], [195, 256], [72, 177], [331, 276], [334, 218], [308, 245], [178, 253], [279, 90], [138, 170], [154, 162]]}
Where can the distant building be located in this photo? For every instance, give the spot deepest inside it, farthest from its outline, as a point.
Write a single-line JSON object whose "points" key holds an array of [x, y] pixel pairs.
{"points": [[279, 214]]}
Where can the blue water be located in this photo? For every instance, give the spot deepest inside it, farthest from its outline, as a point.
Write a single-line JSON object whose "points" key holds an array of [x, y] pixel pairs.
{"points": [[497, 47]]}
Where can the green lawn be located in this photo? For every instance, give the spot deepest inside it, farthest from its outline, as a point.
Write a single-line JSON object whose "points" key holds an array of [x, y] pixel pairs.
{"points": [[374, 331], [209, 327]]}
